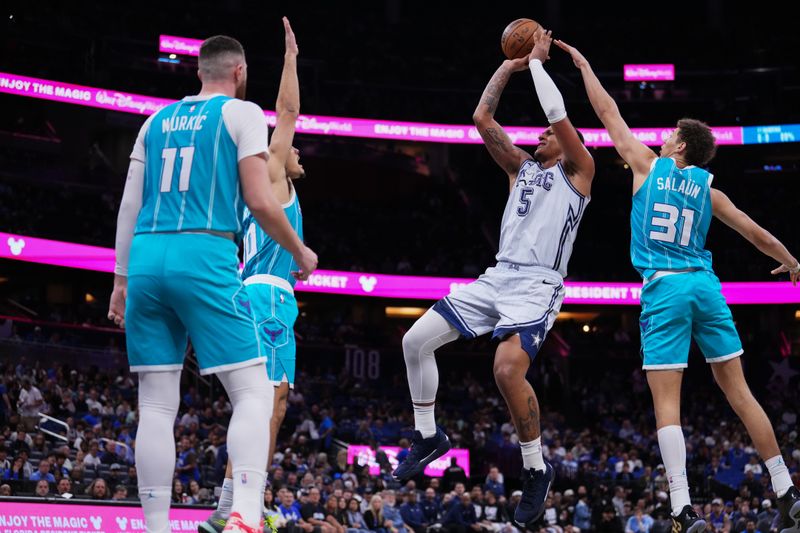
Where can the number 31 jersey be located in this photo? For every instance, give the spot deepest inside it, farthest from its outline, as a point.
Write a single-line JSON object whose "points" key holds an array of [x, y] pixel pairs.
{"points": [[191, 150], [670, 216], [541, 218]]}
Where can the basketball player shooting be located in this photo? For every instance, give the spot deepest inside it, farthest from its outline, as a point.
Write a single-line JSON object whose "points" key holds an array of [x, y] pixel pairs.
{"points": [[673, 203], [518, 299]]}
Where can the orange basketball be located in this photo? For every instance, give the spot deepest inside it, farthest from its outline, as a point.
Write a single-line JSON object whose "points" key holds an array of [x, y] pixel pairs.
{"points": [[517, 39]]}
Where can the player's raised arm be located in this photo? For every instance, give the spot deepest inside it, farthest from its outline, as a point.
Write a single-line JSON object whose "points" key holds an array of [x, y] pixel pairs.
{"points": [[577, 161], [768, 244], [631, 149], [287, 105], [497, 141]]}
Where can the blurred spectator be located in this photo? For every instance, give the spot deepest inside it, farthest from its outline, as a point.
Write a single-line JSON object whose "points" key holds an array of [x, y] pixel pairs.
{"points": [[766, 516], [29, 404], [64, 488], [495, 482], [42, 488], [391, 513], [98, 490], [314, 513], [120, 493], [461, 517], [412, 514], [373, 516], [454, 474], [43, 472]]}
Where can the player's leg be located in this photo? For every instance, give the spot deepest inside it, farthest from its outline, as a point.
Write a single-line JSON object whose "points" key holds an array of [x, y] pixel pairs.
{"points": [[464, 312], [730, 378], [159, 399], [209, 298], [156, 340], [278, 414], [528, 306], [715, 333], [275, 317], [666, 331]]}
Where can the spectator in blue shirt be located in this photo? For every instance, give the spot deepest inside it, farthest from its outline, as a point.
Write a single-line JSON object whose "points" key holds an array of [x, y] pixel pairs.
{"points": [[43, 472], [391, 513], [583, 513], [413, 515], [495, 482], [430, 506], [461, 517], [288, 508], [640, 522]]}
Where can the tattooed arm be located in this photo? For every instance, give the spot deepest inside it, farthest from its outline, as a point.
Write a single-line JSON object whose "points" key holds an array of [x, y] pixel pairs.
{"points": [[497, 141]]}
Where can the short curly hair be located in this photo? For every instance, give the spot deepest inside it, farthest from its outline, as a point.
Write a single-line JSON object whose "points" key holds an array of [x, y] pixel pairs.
{"points": [[700, 143]]}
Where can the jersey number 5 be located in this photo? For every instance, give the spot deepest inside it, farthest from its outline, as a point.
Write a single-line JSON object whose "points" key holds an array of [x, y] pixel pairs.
{"points": [[668, 223], [524, 201], [168, 156]]}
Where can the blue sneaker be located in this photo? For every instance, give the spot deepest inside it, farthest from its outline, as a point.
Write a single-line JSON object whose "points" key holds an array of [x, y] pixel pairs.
{"points": [[535, 487], [422, 452]]}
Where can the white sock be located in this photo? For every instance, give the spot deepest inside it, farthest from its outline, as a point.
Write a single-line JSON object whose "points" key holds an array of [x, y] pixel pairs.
{"points": [[159, 396], [532, 454], [424, 422], [427, 334], [781, 481], [251, 396], [673, 455], [226, 499], [155, 506]]}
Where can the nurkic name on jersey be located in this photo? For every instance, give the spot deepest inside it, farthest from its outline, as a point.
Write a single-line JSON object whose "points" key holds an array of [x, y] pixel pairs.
{"points": [[541, 218], [670, 216], [262, 255]]}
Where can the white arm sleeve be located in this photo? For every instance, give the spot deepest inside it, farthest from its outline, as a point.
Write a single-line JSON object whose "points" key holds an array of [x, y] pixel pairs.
{"points": [[549, 96], [128, 213], [247, 126]]}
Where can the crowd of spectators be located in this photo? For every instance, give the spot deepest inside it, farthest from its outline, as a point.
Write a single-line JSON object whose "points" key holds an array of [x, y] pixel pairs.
{"points": [[601, 441]]}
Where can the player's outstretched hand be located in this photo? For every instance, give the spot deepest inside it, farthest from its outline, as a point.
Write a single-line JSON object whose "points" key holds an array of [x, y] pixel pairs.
{"points": [[291, 42], [794, 272], [307, 263], [516, 65], [542, 39], [116, 306], [576, 56]]}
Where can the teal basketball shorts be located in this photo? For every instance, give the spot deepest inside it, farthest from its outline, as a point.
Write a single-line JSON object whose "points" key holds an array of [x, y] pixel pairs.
{"points": [[187, 285], [275, 311], [677, 308]]}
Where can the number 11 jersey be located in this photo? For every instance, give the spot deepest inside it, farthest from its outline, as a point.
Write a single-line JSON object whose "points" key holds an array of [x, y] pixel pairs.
{"points": [[191, 151]]}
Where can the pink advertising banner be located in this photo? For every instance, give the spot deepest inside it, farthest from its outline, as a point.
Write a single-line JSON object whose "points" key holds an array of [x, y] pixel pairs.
{"points": [[71, 255], [326, 125], [657, 72], [360, 454], [20, 517], [171, 44]]}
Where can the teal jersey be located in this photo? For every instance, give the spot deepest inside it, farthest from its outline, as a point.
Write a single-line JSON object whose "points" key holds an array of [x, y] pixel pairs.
{"points": [[262, 255], [670, 216], [191, 178]]}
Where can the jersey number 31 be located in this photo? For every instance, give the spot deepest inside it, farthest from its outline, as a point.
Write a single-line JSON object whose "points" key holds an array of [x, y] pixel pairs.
{"points": [[668, 223]]}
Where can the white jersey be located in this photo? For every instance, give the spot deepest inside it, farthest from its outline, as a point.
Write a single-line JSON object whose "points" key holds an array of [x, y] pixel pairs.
{"points": [[541, 218]]}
